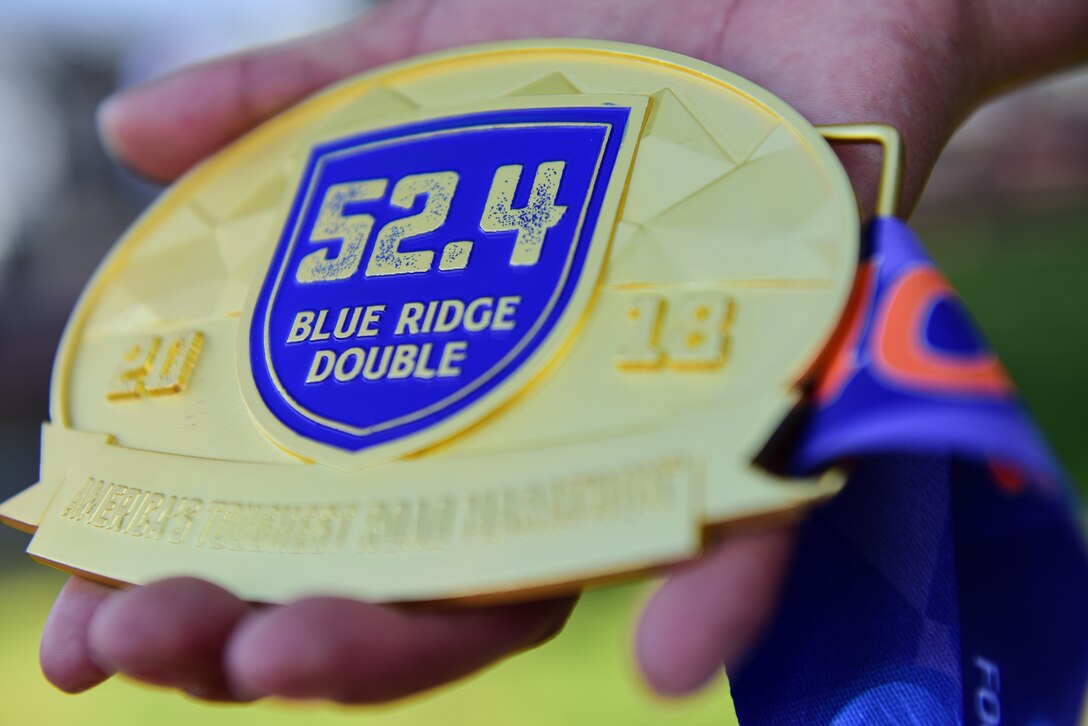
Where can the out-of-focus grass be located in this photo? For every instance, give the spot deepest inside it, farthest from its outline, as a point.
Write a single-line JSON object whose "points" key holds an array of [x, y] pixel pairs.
{"points": [[585, 676]]}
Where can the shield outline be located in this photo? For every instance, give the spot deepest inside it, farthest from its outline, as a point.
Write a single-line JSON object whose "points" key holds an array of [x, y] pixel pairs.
{"points": [[515, 383]]}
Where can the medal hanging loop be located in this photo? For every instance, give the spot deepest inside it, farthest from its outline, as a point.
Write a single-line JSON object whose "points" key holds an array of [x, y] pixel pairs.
{"points": [[891, 173]]}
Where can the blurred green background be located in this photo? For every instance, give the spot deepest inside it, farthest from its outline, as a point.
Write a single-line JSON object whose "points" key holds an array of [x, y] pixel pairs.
{"points": [[1006, 216]]}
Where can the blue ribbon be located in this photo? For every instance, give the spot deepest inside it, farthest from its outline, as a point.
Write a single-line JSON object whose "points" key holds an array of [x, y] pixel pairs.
{"points": [[948, 582]]}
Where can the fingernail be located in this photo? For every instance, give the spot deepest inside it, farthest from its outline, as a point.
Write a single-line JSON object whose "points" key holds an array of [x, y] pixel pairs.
{"points": [[216, 693], [244, 692], [153, 675]]}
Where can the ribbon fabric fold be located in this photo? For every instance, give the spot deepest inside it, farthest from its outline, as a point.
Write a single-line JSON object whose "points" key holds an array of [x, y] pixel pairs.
{"points": [[948, 582]]}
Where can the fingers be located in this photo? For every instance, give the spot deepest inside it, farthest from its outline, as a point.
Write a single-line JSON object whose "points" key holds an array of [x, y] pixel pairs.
{"points": [[711, 611], [162, 129], [169, 633], [65, 655], [354, 652], [194, 636]]}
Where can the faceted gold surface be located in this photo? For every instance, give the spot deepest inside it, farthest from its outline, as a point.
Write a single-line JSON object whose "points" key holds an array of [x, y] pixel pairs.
{"points": [[590, 469]]}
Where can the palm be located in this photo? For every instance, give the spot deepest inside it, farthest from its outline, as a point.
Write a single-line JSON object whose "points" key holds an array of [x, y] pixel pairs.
{"points": [[835, 61]]}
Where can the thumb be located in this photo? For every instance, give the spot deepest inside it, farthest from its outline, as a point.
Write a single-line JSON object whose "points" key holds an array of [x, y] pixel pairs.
{"points": [[161, 129], [713, 610]]}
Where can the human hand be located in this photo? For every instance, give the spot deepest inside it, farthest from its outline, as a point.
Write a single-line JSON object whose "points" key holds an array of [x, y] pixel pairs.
{"points": [[901, 63]]}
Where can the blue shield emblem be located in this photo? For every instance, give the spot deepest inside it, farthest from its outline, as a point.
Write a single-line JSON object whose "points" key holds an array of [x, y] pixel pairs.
{"points": [[422, 266]]}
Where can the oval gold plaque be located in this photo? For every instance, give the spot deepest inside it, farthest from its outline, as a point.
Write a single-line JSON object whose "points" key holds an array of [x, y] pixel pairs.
{"points": [[502, 319]]}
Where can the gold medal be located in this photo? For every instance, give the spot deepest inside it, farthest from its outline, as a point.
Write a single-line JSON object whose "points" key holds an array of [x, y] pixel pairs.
{"points": [[494, 321]]}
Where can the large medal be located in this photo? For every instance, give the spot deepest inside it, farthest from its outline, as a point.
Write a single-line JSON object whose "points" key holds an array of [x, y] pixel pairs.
{"points": [[515, 318], [502, 320]]}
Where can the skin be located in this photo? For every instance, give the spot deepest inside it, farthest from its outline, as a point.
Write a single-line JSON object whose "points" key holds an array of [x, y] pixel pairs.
{"points": [[920, 65]]}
